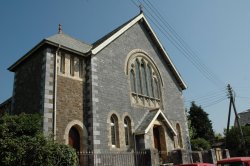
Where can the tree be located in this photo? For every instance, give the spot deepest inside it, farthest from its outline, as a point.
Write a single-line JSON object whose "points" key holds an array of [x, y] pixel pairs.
{"points": [[200, 124], [22, 143], [200, 144], [234, 141]]}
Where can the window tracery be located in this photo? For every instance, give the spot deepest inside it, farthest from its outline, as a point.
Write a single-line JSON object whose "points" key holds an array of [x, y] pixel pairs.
{"points": [[145, 81]]}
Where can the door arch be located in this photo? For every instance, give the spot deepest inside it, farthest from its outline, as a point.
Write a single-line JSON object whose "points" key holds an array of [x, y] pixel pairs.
{"points": [[74, 138], [76, 128]]}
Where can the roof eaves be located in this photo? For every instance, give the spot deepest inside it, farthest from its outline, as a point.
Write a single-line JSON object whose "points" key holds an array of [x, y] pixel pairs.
{"points": [[112, 36], [177, 74], [25, 56], [67, 48], [159, 112], [44, 41], [6, 101], [115, 35]]}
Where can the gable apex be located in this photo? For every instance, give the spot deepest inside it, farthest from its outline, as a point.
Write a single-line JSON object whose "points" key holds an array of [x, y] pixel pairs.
{"points": [[106, 40]]}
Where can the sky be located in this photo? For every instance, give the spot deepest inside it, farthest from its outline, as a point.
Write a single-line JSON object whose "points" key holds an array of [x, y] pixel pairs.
{"points": [[216, 32]]}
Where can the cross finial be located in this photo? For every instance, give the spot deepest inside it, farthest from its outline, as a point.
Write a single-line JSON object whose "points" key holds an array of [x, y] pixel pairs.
{"points": [[141, 8], [59, 28]]}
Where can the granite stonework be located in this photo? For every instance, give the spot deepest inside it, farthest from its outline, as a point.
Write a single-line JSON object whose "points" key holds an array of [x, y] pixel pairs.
{"points": [[28, 80], [111, 83], [82, 88]]}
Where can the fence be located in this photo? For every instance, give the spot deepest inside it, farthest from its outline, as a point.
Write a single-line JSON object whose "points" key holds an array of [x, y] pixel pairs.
{"points": [[114, 159]]}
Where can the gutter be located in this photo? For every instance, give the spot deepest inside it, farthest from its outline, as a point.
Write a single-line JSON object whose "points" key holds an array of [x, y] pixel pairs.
{"points": [[55, 92]]}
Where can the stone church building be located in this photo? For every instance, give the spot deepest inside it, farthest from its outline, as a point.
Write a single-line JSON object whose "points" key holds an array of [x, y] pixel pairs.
{"points": [[121, 93]]}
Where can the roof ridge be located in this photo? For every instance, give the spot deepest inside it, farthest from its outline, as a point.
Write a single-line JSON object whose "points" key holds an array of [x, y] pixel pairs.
{"points": [[69, 37], [99, 41]]}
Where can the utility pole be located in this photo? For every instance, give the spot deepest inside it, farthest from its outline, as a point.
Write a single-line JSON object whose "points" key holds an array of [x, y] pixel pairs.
{"points": [[232, 103]]}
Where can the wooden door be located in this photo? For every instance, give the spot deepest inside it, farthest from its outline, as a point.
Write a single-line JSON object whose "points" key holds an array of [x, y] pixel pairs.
{"points": [[74, 139]]}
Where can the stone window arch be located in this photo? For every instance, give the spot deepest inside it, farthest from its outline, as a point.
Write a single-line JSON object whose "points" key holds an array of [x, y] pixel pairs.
{"points": [[179, 135], [76, 129], [144, 78], [132, 81], [114, 128], [127, 131]]}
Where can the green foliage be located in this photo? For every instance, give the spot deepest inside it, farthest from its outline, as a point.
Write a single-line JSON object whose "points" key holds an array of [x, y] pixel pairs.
{"points": [[200, 123], [22, 143], [234, 140], [200, 144], [191, 130]]}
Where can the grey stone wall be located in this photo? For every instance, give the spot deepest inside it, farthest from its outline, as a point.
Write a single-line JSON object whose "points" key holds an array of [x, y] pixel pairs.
{"points": [[28, 81], [47, 91], [111, 92], [69, 104], [70, 90]]}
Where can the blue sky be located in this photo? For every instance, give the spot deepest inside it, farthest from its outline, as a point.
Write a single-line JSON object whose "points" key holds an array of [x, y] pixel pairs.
{"points": [[218, 32]]}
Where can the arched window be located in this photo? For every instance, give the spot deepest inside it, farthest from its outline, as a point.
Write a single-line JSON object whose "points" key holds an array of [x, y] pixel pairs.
{"points": [[149, 81], [138, 77], [156, 89], [179, 137], [132, 81], [114, 131], [145, 81], [127, 129]]}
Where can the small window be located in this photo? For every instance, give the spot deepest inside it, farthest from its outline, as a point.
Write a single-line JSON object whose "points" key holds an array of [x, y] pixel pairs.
{"points": [[62, 63], [114, 131], [72, 65], [127, 129], [81, 68]]}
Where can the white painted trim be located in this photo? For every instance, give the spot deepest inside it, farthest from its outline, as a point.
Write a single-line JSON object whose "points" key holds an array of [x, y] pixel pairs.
{"points": [[115, 35], [125, 28], [165, 118], [158, 41]]}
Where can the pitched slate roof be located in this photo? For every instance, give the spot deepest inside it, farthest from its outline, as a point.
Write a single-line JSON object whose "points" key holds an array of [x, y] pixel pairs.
{"points": [[59, 40], [149, 120], [107, 39], [74, 45], [244, 117], [69, 42]]}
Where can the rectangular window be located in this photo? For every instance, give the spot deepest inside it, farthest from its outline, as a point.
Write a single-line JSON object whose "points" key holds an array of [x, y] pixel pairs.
{"points": [[62, 63], [81, 68], [72, 65]]}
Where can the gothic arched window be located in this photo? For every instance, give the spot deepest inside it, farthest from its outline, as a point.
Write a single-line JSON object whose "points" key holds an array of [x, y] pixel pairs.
{"points": [[149, 81], [156, 89], [127, 130], [132, 81], [114, 131], [138, 77], [145, 80]]}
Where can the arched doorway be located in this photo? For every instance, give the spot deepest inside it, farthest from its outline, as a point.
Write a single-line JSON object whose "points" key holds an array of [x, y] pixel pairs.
{"points": [[74, 138]]}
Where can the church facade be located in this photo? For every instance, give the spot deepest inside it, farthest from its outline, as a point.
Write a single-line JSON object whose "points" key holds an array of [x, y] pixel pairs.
{"points": [[121, 93]]}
